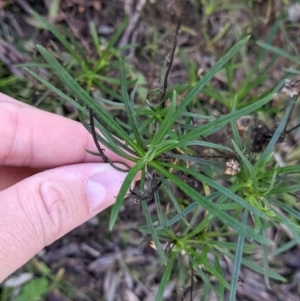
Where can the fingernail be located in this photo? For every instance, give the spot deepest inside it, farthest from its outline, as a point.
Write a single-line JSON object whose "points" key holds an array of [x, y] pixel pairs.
{"points": [[103, 188]]}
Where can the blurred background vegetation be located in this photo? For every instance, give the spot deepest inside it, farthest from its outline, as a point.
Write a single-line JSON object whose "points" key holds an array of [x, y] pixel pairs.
{"points": [[88, 38]]}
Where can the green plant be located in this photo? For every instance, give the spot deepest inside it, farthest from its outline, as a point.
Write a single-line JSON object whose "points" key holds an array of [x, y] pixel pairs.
{"points": [[38, 287], [254, 190], [161, 138], [95, 72]]}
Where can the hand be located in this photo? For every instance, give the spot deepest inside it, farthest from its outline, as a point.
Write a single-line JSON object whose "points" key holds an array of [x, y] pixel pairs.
{"points": [[48, 185]]}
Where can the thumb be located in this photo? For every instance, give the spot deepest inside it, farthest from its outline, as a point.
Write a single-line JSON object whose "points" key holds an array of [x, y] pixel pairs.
{"points": [[42, 208]]}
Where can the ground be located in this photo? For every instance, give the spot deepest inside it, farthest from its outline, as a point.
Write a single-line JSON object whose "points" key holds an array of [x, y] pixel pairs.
{"points": [[91, 262]]}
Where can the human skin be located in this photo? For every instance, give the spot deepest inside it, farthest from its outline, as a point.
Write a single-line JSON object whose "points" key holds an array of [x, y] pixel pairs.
{"points": [[49, 184]]}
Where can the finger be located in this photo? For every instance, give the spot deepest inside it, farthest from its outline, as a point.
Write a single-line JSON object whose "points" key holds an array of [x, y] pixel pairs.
{"points": [[42, 208], [40, 139]]}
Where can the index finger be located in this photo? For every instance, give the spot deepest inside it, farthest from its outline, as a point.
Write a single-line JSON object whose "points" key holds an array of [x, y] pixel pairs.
{"points": [[35, 138]]}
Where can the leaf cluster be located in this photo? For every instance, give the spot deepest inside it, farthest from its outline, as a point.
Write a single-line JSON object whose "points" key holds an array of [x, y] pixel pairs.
{"points": [[160, 139]]}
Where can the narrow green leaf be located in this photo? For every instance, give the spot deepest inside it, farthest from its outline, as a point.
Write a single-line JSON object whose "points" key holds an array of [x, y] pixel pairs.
{"points": [[282, 170], [33, 65], [248, 165], [87, 100], [108, 140], [55, 90], [221, 288], [202, 259], [256, 268], [204, 276], [208, 145], [253, 266], [285, 247], [226, 192], [124, 190], [278, 51], [213, 208], [190, 208], [95, 38], [209, 75], [96, 77], [60, 37], [164, 70], [164, 145], [157, 243], [294, 213], [199, 161], [266, 261], [167, 123], [288, 224], [280, 129], [198, 228], [173, 199], [262, 54], [284, 188], [159, 210], [213, 126], [197, 116], [129, 106], [165, 278], [237, 261], [235, 132], [115, 37]]}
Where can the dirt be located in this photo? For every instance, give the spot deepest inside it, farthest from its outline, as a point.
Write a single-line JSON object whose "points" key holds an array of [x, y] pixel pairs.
{"points": [[93, 263]]}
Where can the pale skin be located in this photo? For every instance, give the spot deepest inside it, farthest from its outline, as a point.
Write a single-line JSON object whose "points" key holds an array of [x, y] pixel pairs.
{"points": [[49, 184]]}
